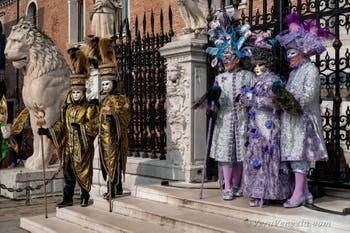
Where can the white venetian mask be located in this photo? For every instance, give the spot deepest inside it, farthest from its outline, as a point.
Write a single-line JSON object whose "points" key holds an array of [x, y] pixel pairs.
{"points": [[291, 53], [107, 86], [77, 94], [259, 69]]}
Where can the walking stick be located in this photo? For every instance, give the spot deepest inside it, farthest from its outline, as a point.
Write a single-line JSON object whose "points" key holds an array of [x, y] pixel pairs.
{"points": [[40, 115], [207, 149]]}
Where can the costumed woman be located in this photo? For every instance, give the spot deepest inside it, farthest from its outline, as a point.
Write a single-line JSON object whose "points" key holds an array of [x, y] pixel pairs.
{"points": [[74, 132], [302, 139], [265, 177], [113, 121], [229, 133]]}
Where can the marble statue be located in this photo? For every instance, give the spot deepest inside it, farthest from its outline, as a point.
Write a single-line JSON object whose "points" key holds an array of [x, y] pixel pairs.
{"points": [[103, 19], [194, 13], [45, 80]]}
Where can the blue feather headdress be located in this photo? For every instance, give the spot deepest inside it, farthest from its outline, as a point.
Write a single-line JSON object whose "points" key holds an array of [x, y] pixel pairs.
{"points": [[227, 36]]}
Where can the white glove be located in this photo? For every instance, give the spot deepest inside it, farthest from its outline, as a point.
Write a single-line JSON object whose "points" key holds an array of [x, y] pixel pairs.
{"points": [[6, 131]]}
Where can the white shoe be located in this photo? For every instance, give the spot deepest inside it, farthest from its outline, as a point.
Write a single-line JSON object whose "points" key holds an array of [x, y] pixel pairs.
{"points": [[227, 194], [309, 199]]}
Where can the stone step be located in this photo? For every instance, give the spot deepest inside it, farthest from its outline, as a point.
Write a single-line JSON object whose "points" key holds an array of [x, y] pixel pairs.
{"points": [[39, 224], [104, 221], [337, 192], [184, 219], [299, 219]]}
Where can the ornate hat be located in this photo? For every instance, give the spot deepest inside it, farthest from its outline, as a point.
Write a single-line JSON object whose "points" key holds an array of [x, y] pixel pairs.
{"points": [[77, 81], [305, 37], [80, 66], [228, 36], [262, 50], [108, 72]]}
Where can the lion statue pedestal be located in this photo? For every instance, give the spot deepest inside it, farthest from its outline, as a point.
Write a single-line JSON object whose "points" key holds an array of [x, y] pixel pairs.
{"points": [[45, 80]]}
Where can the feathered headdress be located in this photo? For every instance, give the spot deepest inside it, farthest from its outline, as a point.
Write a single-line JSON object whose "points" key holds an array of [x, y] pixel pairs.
{"points": [[107, 53], [262, 50], [80, 67], [227, 36], [304, 36], [91, 49]]}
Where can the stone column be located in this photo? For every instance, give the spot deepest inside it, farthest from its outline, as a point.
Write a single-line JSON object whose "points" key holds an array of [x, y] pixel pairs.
{"points": [[186, 83], [72, 21]]}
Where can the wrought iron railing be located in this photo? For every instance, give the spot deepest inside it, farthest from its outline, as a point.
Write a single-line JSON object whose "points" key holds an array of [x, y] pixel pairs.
{"points": [[142, 69]]}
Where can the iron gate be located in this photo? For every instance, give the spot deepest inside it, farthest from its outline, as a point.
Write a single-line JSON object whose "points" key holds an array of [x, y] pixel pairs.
{"points": [[334, 68], [142, 69]]}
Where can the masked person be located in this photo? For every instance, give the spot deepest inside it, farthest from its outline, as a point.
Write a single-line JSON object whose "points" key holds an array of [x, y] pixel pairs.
{"points": [[265, 177], [114, 121], [73, 135], [229, 134], [302, 138]]}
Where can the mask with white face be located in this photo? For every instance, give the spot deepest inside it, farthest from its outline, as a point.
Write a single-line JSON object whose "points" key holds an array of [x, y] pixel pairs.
{"points": [[291, 53], [77, 94], [259, 69], [107, 86]]}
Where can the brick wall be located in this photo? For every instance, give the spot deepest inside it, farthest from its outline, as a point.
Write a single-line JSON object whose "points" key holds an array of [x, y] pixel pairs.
{"points": [[138, 7]]}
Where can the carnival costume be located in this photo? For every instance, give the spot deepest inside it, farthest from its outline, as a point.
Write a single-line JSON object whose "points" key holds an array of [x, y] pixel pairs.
{"points": [[265, 177], [73, 135], [302, 138], [229, 133], [5, 129], [113, 121]]}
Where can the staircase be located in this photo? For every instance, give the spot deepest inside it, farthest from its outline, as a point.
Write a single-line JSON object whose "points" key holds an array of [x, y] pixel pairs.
{"points": [[158, 208]]}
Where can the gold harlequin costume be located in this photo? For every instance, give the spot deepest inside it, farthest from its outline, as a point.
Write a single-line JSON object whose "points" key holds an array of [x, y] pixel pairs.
{"points": [[113, 141], [17, 127], [114, 136], [76, 145]]}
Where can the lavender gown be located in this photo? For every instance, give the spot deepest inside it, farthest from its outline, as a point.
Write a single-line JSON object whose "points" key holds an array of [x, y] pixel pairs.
{"points": [[264, 175]]}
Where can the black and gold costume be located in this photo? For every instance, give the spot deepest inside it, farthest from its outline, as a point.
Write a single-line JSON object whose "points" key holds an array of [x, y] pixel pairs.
{"points": [[76, 145], [113, 141]]}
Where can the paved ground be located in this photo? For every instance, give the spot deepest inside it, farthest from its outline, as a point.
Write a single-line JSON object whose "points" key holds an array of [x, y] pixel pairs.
{"points": [[12, 210]]}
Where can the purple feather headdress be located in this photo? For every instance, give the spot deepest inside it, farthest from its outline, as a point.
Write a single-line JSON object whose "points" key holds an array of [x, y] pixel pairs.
{"points": [[304, 36]]}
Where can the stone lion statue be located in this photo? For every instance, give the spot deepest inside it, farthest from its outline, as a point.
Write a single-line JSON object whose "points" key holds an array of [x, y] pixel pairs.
{"points": [[45, 80]]}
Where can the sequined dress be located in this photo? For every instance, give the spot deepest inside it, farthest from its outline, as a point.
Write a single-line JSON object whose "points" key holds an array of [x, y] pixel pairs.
{"points": [[229, 133], [264, 176], [302, 136]]}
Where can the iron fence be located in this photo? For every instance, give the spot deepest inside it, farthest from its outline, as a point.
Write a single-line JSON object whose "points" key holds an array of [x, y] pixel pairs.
{"points": [[142, 69]]}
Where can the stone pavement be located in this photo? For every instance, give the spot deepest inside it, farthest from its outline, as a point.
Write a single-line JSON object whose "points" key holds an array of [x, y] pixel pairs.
{"points": [[12, 210]]}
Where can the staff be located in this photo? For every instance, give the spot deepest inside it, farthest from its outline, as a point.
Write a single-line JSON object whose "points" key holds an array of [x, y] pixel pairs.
{"points": [[39, 113]]}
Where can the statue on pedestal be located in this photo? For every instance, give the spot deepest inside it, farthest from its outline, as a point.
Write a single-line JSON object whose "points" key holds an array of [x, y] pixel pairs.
{"points": [[103, 18], [45, 80]]}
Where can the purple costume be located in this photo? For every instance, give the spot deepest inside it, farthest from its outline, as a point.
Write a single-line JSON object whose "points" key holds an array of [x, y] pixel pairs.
{"points": [[302, 137], [264, 176]]}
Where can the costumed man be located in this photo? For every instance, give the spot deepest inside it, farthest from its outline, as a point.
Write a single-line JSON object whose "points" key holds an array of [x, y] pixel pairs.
{"points": [[265, 177], [229, 134], [74, 132], [302, 138], [114, 121]]}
